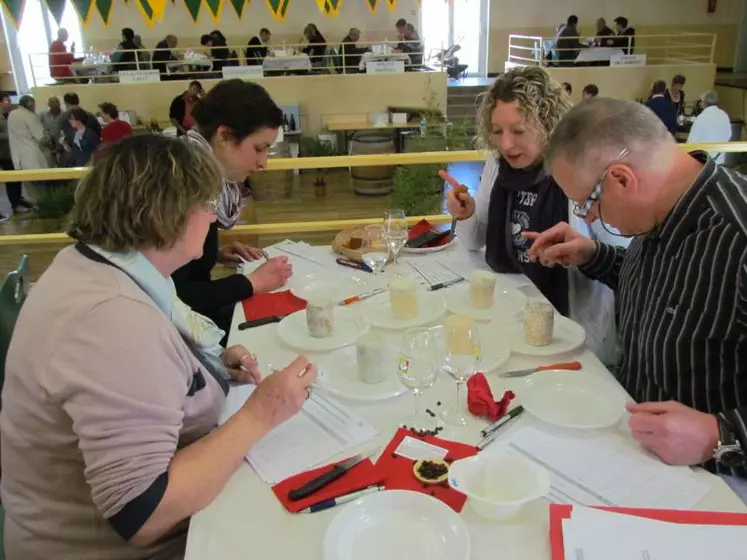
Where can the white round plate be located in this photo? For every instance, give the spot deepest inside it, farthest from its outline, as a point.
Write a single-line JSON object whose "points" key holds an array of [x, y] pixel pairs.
{"points": [[423, 250], [397, 525], [506, 303], [348, 328], [567, 336], [378, 311], [573, 399], [339, 374], [329, 285]]}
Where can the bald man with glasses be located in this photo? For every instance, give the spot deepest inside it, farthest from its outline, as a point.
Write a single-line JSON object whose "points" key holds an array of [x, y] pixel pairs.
{"points": [[681, 285]]}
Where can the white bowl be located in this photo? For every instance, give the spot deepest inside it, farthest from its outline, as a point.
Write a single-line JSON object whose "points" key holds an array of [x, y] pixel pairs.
{"points": [[499, 485]]}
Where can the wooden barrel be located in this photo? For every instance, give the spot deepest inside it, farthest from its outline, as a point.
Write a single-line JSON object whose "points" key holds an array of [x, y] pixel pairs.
{"points": [[273, 185], [376, 180]]}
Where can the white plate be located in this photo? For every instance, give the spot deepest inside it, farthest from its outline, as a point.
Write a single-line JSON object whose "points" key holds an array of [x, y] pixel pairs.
{"points": [[378, 312], [339, 374], [567, 336], [348, 328], [573, 399], [330, 285], [507, 302], [423, 250], [397, 525]]}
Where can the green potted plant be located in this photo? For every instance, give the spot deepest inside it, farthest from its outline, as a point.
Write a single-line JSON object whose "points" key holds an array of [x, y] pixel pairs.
{"points": [[54, 202], [418, 189], [311, 146]]}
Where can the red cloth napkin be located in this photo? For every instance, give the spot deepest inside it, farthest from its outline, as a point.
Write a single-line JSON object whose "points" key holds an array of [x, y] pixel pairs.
{"points": [[398, 475], [424, 226], [267, 305], [480, 399], [359, 477]]}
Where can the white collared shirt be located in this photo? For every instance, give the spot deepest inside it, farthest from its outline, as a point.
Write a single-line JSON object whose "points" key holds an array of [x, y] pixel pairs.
{"points": [[712, 125]]}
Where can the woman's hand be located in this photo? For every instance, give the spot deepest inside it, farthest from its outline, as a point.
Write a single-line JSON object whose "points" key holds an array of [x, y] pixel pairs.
{"points": [[237, 253], [241, 364], [282, 394], [458, 201], [271, 275]]}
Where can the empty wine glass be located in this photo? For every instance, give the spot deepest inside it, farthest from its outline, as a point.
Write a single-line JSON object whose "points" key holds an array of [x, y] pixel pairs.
{"points": [[395, 232], [374, 251], [395, 219], [417, 370], [462, 360]]}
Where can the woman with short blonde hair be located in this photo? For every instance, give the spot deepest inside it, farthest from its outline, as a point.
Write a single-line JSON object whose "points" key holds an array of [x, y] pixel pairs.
{"points": [[113, 386]]}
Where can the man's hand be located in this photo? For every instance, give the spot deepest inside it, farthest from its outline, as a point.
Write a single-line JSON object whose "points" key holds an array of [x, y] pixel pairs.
{"points": [[677, 434], [271, 275], [237, 253], [561, 244]]}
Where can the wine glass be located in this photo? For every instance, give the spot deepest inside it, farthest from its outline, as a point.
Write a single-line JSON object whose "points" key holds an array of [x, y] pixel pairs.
{"points": [[462, 360], [395, 219], [395, 232], [417, 370], [374, 250]]}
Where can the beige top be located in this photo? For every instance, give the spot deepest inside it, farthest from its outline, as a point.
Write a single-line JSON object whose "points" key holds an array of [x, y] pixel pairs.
{"points": [[100, 392]]}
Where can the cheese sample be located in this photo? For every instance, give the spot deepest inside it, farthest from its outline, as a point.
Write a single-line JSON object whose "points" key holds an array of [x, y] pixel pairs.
{"points": [[481, 289], [539, 319], [402, 298], [370, 350], [458, 339], [320, 318]]}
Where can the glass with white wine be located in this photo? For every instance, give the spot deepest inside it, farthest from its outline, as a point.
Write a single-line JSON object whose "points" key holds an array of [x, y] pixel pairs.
{"points": [[395, 232], [374, 251], [417, 370], [462, 360]]}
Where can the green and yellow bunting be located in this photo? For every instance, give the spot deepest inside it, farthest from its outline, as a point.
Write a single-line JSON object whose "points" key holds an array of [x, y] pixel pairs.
{"points": [[104, 8], [238, 6], [279, 8], [56, 8], [215, 7], [332, 7], [372, 4], [392, 4], [14, 11], [193, 7], [83, 7]]}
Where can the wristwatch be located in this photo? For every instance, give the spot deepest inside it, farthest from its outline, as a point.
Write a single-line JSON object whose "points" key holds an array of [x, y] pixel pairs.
{"points": [[729, 452]]}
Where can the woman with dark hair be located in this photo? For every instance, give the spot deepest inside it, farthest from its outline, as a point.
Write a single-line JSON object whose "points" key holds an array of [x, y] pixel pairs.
{"points": [[236, 122], [125, 55], [676, 94], [317, 44]]}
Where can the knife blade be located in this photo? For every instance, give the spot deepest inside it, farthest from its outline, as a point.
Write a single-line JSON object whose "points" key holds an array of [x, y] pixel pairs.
{"points": [[316, 484], [453, 229], [570, 366]]}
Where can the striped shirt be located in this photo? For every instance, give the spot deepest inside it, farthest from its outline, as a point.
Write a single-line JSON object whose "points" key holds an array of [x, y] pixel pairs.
{"points": [[682, 298]]}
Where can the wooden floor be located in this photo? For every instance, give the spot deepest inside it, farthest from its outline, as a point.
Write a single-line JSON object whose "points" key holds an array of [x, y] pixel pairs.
{"points": [[302, 205]]}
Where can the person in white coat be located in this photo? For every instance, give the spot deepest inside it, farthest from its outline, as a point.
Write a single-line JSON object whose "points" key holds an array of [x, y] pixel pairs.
{"points": [[27, 135], [712, 125]]}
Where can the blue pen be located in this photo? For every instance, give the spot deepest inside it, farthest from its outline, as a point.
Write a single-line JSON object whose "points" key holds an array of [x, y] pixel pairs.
{"points": [[344, 499]]}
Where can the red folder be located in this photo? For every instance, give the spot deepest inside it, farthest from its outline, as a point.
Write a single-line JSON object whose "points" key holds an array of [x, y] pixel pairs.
{"points": [[558, 512]]}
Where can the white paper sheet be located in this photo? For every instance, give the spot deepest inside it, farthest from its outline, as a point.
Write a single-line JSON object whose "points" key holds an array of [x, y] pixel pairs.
{"points": [[296, 253], [430, 271], [323, 429], [417, 450], [591, 534], [594, 469]]}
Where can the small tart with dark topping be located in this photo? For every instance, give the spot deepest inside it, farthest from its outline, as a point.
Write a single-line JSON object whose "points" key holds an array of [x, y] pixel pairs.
{"points": [[431, 471]]}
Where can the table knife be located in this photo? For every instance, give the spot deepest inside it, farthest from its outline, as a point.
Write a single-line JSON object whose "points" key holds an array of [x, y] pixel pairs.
{"points": [[452, 231], [316, 484], [571, 366]]}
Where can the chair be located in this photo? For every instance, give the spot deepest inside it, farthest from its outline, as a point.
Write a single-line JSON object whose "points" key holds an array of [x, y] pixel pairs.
{"points": [[13, 291]]}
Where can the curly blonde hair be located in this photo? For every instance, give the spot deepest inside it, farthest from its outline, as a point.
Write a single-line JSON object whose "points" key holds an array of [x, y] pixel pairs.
{"points": [[540, 98]]}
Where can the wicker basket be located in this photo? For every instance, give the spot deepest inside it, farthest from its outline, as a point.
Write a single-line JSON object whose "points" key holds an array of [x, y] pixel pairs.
{"points": [[341, 240]]}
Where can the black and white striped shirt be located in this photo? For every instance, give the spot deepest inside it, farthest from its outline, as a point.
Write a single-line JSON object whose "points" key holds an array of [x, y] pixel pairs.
{"points": [[682, 296]]}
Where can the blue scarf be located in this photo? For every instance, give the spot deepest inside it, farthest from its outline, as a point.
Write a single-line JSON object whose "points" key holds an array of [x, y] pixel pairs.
{"points": [[197, 329]]}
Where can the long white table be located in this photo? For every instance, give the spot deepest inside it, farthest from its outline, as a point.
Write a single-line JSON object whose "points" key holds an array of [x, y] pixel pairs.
{"points": [[247, 521]]}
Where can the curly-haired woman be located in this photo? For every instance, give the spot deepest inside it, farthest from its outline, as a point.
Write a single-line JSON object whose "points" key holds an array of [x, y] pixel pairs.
{"points": [[516, 194]]}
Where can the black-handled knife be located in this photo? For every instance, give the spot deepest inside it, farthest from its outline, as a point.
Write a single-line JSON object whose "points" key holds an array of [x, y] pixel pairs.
{"points": [[316, 484], [260, 322]]}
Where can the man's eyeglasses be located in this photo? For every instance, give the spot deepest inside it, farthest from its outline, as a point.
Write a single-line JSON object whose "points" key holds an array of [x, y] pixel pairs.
{"points": [[582, 210]]}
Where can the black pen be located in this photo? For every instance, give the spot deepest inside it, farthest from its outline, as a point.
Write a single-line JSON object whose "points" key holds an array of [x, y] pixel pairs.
{"points": [[492, 431], [445, 284]]}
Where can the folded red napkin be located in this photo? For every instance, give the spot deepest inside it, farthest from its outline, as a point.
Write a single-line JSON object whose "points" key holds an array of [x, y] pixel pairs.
{"points": [[480, 399], [266, 305], [424, 226], [398, 474], [359, 477]]}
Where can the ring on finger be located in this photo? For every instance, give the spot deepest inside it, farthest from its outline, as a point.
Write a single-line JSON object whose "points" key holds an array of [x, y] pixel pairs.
{"points": [[308, 392]]}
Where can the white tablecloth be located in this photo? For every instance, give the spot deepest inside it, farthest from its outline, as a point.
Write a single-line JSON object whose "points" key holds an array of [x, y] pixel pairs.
{"points": [[247, 521], [83, 69], [299, 61], [371, 57], [597, 54], [178, 65]]}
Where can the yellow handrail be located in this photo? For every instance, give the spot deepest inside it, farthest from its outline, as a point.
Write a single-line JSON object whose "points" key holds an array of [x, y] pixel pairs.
{"points": [[251, 229], [285, 164]]}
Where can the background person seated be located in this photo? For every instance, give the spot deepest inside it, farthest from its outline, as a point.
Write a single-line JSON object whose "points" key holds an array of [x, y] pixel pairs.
{"points": [[569, 44], [605, 36], [676, 94], [712, 125], [351, 52], [124, 56], [83, 142], [625, 35], [162, 56], [316, 45], [114, 129], [256, 51], [59, 59], [590, 91], [663, 108]]}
